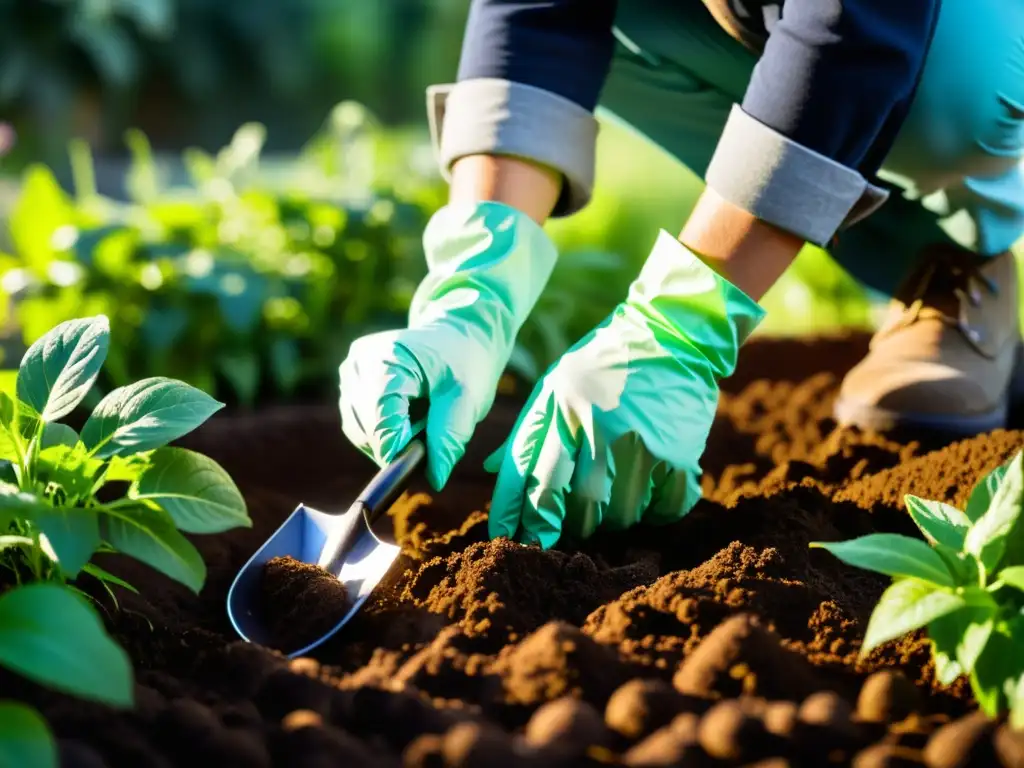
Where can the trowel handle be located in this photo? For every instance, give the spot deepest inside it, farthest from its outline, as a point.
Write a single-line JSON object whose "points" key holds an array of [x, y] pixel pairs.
{"points": [[388, 484]]}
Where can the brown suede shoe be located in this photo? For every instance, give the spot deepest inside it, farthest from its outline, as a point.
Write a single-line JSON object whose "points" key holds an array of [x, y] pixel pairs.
{"points": [[948, 357]]}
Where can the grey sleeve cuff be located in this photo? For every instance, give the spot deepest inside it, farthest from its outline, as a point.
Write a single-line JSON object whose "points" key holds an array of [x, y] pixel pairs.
{"points": [[786, 184], [490, 116]]}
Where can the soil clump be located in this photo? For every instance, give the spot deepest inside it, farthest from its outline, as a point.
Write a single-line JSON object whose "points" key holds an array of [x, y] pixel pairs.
{"points": [[301, 602], [719, 640]]}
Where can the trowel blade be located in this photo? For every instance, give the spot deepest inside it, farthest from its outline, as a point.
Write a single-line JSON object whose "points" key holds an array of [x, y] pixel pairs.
{"points": [[302, 536]]}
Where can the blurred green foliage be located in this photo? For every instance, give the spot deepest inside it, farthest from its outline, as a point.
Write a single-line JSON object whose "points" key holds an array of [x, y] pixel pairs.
{"points": [[252, 281], [245, 287], [186, 70]]}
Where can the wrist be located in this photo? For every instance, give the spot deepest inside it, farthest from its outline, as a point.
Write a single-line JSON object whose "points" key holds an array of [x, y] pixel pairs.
{"points": [[527, 186], [487, 264], [749, 253], [690, 304]]}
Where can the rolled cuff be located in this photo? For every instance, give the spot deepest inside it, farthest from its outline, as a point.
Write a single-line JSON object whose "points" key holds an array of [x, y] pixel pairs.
{"points": [[492, 116], [786, 184]]}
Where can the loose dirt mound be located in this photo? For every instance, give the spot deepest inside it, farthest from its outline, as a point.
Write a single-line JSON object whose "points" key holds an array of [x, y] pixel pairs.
{"points": [[720, 640]]}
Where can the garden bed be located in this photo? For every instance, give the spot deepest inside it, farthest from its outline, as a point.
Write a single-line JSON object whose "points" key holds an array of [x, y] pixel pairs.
{"points": [[720, 635]]}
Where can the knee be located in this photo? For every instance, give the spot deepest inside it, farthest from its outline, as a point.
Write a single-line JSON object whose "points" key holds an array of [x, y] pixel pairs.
{"points": [[967, 118]]}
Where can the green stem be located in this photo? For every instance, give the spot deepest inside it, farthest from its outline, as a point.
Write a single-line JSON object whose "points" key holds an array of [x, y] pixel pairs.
{"points": [[120, 503]]}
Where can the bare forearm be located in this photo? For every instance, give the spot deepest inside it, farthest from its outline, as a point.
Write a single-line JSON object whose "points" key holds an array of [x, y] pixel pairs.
{"points": [[525, 186], [749, 253]]}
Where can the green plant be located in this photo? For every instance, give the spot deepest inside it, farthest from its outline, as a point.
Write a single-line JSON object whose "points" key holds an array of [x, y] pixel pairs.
{"points": [[246, 285], [65, 496], [966, 586]]}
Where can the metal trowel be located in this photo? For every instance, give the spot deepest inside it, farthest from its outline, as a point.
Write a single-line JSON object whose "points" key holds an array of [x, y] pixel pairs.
{"points": [[342, 544]]}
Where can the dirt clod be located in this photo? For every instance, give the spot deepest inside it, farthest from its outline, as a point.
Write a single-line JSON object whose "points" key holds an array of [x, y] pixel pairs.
{"points": [[964, 742], [676, 745], [301, 602], [640, 707], [888, 756], [723, 632], [733, 730], [567, 724], [740, 657], [887, 697], [1009, 746]]}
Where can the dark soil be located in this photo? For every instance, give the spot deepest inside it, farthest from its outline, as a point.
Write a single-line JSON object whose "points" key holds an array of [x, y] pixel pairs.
{"points": [[301, 602], [720, 640]]}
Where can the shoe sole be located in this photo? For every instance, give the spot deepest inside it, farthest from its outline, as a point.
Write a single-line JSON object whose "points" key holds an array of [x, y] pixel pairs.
{"points": [[882, 420]]}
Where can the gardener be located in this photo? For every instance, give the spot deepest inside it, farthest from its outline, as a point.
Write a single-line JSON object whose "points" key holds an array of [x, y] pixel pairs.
{"points": [[790, 114]]}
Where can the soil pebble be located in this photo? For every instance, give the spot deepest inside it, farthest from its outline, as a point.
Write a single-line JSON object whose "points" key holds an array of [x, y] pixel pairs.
{"points": [[887, 697], [301, 602], [888, 756], [962, 743], [1009, 746], [640, 707], [734, 731], [742, 658], [567, 725], [676, 745], [722, 632]]}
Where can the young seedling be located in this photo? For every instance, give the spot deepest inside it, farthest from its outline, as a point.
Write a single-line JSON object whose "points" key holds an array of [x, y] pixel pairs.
{"points": [[965, 586], [65, 496]]}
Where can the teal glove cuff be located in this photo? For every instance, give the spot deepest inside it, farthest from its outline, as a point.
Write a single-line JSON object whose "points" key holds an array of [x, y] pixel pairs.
{"points": [[682, 298], [487, 265]]}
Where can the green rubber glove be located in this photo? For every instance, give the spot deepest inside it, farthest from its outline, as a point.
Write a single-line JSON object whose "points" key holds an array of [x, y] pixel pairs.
{"points": [[615, 429], [487, 264]]}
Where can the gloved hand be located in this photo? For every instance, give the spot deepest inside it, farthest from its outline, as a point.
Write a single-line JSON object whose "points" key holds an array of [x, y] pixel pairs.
{"points": [[487, 264], [615, 429]]}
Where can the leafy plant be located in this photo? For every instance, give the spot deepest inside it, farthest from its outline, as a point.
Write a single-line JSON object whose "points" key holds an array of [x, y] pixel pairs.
{"points": [[246, 286], [66, 496], [251, 284], [965, 586]]}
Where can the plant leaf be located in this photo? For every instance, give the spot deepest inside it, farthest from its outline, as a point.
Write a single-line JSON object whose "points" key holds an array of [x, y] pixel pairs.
{"points": [[52, 636], [55, 433], [999, 666], [98, 573], [893, 555], [987, 539], [73, 469], [941, 523], [1017, 705], [146, 415], [944, 633], [194, 489], [59, 369], [981, 497], [242, 371], [15, 541], [25, 738], [908, 604], [42, 209], [149, 535], [1012, 576], [16, 504], [73, 534], [285, 363], [126, 469], [8, 448], [17, 418]]}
